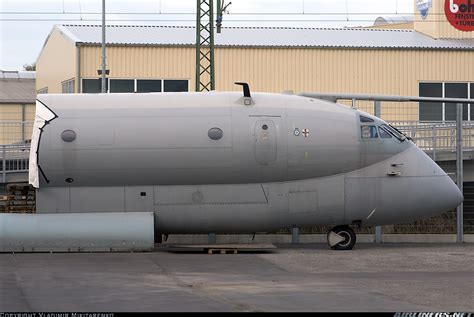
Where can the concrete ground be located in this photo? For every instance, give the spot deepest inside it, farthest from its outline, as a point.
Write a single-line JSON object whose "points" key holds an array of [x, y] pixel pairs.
{"points": [[389, 277]]}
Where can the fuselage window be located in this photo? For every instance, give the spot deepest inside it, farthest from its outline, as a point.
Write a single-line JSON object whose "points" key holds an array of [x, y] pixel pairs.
{"points": [[384, 134], [369, 132]]}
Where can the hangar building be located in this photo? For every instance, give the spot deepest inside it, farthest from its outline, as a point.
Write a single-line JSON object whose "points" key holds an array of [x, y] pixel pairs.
{"points": [[17, 105], [432, 59]]}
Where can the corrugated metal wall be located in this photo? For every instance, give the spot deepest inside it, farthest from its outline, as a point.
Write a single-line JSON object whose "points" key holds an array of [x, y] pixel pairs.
{"points": [[14, 127], [343, 70], [56, 63], [299, 69], [140, 62]]}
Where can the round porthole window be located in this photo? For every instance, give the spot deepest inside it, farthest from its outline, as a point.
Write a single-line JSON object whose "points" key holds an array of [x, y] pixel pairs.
{"points": [[68, 136], [215, 134], [265, 127], [69, 180]]}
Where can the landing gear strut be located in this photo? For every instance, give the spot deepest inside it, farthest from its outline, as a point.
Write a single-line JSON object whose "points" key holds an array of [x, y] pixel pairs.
{"points": [[341, 238]]}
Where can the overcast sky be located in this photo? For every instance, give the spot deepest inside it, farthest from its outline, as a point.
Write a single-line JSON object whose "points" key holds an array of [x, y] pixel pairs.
{"points": [[25, 24]]}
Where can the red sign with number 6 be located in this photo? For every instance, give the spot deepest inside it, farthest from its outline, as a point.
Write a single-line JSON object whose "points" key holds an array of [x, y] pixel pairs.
{"points": [[460, 13]]}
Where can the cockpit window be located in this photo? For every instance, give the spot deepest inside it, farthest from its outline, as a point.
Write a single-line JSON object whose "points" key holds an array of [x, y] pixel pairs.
{"points": [[393, 131], [369, 132], [365, 119], [384, 134]]}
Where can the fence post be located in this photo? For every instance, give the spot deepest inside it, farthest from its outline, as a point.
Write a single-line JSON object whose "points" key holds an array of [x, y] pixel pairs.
{"points": [[23, 115], [4, 163], [435, 140], [459, 171], [295, 235], [211, 238], [378, 113]]}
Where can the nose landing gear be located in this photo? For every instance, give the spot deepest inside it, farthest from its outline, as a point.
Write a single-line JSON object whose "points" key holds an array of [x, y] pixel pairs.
{"points": [[341, 238]]}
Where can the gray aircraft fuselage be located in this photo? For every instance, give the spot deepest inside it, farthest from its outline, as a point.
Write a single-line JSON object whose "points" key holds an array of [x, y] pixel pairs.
{"points": [[206, 162]]}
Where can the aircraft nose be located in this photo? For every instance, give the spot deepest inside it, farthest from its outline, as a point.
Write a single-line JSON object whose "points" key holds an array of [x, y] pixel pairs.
{"points": [[437, 195], [433, 191], [439, 191], [452, 195]]}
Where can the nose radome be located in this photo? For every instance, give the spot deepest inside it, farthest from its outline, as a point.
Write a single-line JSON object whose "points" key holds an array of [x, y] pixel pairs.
{"points": [[441, 193], [454, 196]]}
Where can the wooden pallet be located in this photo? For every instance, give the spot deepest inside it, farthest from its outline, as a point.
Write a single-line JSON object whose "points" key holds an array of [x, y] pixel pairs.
{"points": [[19, 187], [20, 198], [221, 251], [220, 248], [18, 202], [21, 208]]}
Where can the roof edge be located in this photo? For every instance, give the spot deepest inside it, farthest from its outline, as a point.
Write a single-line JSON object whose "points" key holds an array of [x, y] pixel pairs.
{"points": [[67, 33], [17, 101], [419, 48], [64, 32], [64, 26]]}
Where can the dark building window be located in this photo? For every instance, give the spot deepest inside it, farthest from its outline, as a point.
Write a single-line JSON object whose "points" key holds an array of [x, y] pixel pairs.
{"points": [[122, 85], [135, 85], [471, 96], [92, 85], [148, 85], [468, 191], [176, 85], [431, 111], [455, 90]]}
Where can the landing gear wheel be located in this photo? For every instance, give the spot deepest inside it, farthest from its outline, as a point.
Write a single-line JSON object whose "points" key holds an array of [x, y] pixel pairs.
{"points": [[341, 238]]}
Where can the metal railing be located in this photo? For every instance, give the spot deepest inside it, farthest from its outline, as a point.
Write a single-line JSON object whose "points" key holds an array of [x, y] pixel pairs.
{"points": [[437, 137], [14, 159], [15, 132]]}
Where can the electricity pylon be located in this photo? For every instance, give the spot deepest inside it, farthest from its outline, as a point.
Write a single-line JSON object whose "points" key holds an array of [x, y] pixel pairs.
{"points": [[205, 75]]}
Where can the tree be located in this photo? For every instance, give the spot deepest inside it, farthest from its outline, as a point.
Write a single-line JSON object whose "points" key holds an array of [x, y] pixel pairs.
{"points": [[29, 67]]}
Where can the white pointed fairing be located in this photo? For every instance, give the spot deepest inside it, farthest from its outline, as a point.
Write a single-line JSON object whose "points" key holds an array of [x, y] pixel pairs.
{"points": [[42, 117]]}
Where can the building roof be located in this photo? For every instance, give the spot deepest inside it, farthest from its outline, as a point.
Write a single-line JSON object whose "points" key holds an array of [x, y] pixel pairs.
{"points": [[17, 87], [264, 37], [15, 74], [394, 19]]}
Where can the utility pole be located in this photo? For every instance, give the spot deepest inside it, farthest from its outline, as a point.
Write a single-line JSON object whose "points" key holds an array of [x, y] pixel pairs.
{"points": [[205, 74], [378, 114], [459, 172], [104, 66]]}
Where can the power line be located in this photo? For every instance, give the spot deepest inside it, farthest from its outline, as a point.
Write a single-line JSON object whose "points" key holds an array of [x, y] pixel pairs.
{"points": [[193, 13], [192, 20]]}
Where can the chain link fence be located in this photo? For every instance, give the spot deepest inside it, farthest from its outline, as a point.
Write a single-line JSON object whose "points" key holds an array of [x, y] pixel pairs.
{"points": [[15, 132]]}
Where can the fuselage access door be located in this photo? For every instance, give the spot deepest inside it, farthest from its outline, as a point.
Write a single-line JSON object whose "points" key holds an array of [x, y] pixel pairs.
{"points": [[269, 145]]}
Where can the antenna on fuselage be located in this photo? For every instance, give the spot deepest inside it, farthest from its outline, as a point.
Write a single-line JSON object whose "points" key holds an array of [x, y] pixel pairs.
{"points": [[247, 96]]}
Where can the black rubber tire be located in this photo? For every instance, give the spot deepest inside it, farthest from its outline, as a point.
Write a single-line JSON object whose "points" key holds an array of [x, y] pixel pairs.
{"points": [[348, 234]]}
